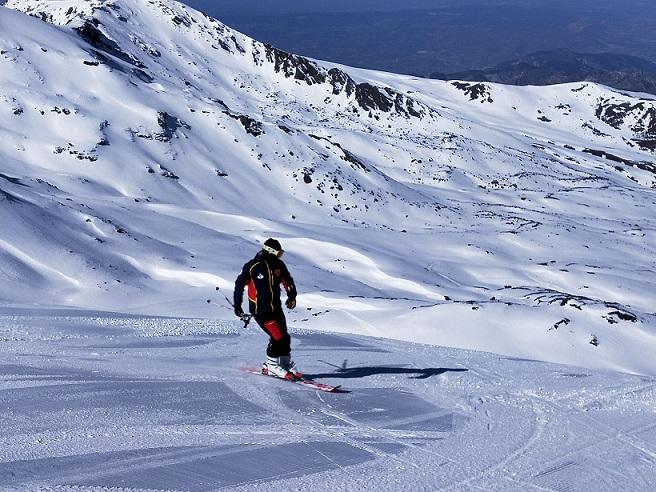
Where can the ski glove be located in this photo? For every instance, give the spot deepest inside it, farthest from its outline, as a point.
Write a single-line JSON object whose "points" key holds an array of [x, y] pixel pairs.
{"points": [[291, 303], [239, 312]]}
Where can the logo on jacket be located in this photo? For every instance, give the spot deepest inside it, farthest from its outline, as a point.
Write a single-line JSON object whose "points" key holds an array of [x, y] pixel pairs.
{"points": [[260, 276]]}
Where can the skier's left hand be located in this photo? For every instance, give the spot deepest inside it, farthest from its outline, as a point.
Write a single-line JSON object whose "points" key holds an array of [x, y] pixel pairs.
{"points": [[291, 303]]}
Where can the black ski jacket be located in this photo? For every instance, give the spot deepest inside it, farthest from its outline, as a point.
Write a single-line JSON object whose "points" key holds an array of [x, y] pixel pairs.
{"points": [[263, 276]]}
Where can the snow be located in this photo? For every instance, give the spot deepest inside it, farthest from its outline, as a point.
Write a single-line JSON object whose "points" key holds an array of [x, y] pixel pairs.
{"points": [[94, 401], [456, 212], [148, 151], [450, 242]]}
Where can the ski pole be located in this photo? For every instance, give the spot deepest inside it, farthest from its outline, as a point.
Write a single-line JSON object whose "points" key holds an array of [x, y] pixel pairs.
{"points": [[246, 318]]}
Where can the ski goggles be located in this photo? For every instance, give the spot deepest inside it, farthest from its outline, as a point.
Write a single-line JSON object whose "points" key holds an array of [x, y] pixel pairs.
{"points": [[274, 252]]}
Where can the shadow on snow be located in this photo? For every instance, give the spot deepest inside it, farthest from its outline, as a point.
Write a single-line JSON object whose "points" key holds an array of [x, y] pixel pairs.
{"points": [[344, 372]]}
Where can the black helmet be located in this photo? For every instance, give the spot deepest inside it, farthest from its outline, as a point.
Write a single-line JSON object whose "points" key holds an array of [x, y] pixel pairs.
{"points": [[273, 246]]}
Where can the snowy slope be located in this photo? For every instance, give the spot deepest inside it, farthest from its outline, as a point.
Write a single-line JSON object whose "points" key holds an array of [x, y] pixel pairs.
{"points": [[93, 402], [147, 150]]}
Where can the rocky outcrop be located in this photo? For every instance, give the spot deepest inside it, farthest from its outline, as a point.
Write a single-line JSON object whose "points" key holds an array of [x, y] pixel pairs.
{"points": [[476, 92], [108, 52], [366, 96], [639, 117], [252, 127], [295, 66], [169, 125]]}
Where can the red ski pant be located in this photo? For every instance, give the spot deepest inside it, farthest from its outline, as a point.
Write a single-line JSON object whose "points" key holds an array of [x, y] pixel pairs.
{"points": [[279, 339]]}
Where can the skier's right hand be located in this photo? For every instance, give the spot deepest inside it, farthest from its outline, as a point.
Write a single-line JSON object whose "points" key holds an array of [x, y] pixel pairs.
{"points": [[239, 312]]}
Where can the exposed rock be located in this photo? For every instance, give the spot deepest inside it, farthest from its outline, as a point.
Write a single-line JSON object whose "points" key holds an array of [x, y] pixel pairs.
{"points": [[104, 141], [294, 66], [594, 130], [90, 31], [476, 92], [642, 115], [167, 174], [367, 96], [252, 127], [181, 20], [169, 125], [341, 82], [370, 97], [225, 46], [615, 114], [562, 322], [105, 50], [646, 144], [624, 315], [645, 166], [346, 155]]}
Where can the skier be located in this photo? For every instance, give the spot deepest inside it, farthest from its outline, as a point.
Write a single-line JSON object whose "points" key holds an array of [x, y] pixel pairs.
{"points": [[263, 276]]}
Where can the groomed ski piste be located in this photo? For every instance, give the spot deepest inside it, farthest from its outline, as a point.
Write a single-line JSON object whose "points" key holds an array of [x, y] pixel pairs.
{"points": [[452, 244], [98, 402]]}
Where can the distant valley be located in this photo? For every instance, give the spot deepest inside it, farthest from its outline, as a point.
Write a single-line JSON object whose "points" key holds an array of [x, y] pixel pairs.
{"points": [[471, 35], [562, 66]]}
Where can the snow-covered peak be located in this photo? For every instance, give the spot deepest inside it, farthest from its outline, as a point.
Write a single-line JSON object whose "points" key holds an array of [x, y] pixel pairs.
{"points": [[58, 12], [64, 12], [147, 34]]}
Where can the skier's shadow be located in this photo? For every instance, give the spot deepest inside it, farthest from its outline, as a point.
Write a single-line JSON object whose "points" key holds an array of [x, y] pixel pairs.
{"points": [[344, 372]]}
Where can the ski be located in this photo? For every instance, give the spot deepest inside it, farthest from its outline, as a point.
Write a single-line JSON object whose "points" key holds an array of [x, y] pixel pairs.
{"points": [[308, 383]]}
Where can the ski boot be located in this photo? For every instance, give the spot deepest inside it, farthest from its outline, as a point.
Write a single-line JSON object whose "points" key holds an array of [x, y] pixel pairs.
{"points": [[287, 362], [281, 367]]}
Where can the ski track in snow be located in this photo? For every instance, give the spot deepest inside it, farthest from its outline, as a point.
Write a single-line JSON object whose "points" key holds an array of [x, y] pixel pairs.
{"points": [[94, 401]]}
